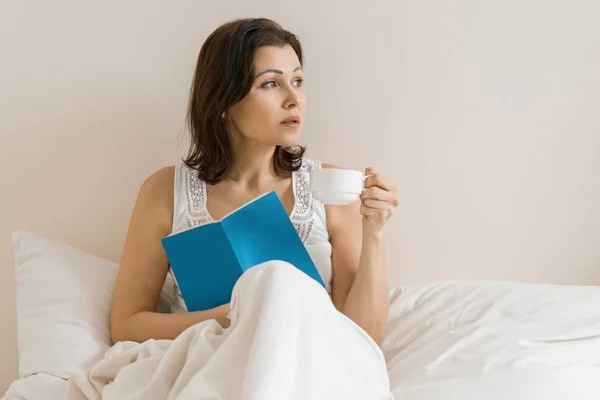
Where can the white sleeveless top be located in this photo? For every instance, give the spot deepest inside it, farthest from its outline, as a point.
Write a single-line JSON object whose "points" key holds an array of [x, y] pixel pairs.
{"points": [[308, 217]]}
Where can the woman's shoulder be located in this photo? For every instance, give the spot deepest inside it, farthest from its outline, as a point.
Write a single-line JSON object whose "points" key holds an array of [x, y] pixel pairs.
{"points": [[310, 163], [156, 191], [160, 180], [330, 166]]}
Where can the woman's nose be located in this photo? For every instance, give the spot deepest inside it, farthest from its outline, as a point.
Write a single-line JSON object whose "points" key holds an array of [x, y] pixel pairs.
{"points": [[293, 100]]}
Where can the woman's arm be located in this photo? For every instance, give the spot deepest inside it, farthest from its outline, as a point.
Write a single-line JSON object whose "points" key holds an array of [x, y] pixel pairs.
{"points": [[144, 267], [360, 287]]}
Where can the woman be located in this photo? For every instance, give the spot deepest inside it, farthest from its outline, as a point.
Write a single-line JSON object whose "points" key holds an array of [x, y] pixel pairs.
{"points": [[246, 111]]}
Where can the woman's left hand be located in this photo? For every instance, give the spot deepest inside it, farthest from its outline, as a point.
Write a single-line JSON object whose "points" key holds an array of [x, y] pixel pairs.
{"points": [[379, 200]]}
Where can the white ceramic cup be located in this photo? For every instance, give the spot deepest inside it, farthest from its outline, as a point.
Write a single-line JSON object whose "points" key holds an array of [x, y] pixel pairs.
{"points": [[336, 186]]}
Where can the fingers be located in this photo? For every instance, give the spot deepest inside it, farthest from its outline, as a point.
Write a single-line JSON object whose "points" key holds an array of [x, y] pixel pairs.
{"points": [[378, 204], [376, 193], [377, 180], [379, 198]]}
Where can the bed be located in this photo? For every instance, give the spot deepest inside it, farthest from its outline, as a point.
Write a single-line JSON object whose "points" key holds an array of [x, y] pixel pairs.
{"points": [[444, 340], [38, 386]]}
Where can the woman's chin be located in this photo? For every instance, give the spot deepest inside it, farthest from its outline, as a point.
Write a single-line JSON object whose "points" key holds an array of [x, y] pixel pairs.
{"points": [[289, 139]]}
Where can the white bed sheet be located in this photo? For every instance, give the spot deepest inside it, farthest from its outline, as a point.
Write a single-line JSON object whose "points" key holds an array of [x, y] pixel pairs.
{"points": [[472, 340], [37, 387], [494, 340]]}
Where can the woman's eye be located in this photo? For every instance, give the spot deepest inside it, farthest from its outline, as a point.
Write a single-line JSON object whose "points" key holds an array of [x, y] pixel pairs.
{"points": [[298, 82], [269, 84]]}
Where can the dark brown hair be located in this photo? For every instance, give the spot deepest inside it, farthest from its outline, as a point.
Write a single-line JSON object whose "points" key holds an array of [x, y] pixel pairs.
{"points": [[224, 76]]}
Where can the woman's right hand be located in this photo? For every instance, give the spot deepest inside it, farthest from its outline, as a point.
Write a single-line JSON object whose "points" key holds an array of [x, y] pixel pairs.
{"points": [[222, 315]]}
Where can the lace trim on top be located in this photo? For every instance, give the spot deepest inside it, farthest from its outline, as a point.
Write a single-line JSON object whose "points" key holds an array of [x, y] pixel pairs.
{"points": [[302, 215], [195, 191]]}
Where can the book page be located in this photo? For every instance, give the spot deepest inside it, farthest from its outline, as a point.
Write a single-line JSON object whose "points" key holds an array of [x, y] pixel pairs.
{"points": [[247, 204]]}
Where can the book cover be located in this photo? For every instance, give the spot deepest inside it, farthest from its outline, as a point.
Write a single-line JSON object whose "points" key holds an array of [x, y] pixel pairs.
{"points": [[208, 260]]}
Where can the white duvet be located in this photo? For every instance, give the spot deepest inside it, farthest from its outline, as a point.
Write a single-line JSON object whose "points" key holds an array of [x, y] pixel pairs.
{"points": [[447, 340], [286, 341]]}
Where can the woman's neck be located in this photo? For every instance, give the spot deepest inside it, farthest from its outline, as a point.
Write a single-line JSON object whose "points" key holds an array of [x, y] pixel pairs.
{"points": [[253, 166]]}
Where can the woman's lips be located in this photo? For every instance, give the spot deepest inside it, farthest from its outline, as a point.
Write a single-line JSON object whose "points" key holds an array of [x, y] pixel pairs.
{"points": [[292, 122]]}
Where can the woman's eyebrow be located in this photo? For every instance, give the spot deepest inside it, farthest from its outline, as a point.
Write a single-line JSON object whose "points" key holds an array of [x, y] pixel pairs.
{"points": [[276, 71]]}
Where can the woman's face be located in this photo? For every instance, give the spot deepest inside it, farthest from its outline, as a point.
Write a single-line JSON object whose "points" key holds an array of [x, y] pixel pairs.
{"points": [[272, 112]]}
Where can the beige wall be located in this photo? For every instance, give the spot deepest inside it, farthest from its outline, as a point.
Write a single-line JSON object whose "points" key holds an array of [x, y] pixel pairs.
{"points": [[485, 113]]}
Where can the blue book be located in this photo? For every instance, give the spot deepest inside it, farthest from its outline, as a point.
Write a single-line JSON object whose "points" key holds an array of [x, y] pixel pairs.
{"points": [[208, 260]]}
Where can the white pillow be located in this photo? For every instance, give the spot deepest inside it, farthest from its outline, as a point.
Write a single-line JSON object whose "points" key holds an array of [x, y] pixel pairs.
{"points": [[63, 305]]}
